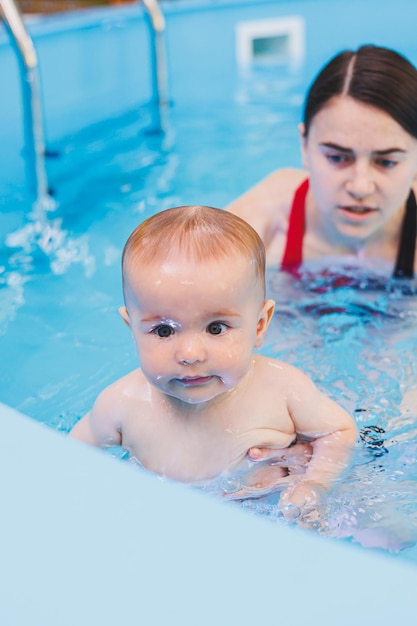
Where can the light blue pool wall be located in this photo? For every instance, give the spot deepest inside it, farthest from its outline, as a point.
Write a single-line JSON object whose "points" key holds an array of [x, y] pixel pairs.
{"points": [[85, 539]]}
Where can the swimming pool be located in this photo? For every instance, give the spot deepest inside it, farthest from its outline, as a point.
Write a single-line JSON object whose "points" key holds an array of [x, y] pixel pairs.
{"points": [[60, 285]]}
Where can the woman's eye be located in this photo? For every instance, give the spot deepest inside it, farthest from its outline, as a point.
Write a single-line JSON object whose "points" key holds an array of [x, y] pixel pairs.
{"points": [[387, 163], [163, 331], [216, 328], [337, 158]]}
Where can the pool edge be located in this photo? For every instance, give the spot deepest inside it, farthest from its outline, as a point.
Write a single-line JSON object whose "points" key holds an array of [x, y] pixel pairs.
{"points": [[76, 540]]}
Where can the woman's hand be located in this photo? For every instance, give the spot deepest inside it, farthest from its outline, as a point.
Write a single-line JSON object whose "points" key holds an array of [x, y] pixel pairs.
{"points": [[255, 484], [296, 456]]}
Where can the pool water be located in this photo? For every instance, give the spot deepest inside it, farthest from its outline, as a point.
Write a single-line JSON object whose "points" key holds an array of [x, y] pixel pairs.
{"points": [[60, 289]]}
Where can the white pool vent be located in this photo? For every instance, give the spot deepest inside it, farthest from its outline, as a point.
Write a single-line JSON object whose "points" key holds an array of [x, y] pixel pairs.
{"points": [[279, 41]]}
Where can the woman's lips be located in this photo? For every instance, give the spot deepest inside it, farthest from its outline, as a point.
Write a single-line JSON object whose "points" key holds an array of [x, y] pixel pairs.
{"points": [[357, 213]]}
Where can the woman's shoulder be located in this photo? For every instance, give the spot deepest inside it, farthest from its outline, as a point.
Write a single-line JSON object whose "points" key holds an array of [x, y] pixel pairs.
{"points": [[269, 201], [282, 185], [287, 178], [278, 186], [267, 205]]}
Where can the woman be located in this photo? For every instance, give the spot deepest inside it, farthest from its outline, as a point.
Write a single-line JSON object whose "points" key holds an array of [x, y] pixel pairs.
{"points": [[355, 197]]}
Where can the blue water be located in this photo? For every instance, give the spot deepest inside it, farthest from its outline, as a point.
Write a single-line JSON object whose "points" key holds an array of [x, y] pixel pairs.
{"points": [[60, 287]]}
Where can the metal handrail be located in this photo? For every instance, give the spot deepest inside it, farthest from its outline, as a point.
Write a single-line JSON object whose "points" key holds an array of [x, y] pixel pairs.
{"points": [[159, 71], [156, 15], [32, 111]]}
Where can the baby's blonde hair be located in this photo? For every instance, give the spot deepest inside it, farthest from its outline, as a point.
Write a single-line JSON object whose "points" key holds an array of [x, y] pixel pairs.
{"points": [[198, 232]]}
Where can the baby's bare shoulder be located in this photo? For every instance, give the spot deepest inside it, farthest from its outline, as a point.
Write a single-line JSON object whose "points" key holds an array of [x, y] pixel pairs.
{"points": [[276, 367], [122, 393], [280, 373], [133, 382]]}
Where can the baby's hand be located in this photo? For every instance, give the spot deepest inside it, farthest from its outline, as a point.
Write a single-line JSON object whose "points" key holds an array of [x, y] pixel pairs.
{"points": [[301, 501]]}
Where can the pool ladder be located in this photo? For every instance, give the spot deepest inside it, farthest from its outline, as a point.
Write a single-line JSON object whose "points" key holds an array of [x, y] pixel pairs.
{"points": [[32, 112], [159, 71], [32, 109]]}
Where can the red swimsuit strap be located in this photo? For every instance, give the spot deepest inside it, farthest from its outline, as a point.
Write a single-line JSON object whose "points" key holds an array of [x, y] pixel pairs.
{"points": [[293, 253]]}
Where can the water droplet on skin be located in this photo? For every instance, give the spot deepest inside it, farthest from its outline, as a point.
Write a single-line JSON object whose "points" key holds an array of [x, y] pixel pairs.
{"points": [[231, 484]]}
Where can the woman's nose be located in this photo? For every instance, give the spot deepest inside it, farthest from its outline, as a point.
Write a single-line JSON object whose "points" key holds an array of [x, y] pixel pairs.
{"points": [[360, 183]]}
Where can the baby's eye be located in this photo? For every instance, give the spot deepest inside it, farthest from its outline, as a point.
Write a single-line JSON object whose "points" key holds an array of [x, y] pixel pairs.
{"points": [[163, 331], [216, 328]]}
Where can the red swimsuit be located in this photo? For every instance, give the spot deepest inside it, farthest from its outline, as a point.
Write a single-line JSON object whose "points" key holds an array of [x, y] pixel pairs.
{"points": [[293, 253]]}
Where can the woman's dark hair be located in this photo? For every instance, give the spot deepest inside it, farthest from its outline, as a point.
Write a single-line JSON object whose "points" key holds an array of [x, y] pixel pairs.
{"points": [[373, 75]]}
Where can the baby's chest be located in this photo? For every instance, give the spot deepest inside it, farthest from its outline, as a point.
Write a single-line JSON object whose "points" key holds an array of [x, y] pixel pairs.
{"points": [[192, 451], [184, 452]]}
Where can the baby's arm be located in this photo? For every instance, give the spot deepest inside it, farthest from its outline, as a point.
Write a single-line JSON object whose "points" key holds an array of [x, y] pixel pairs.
{"points": [[100, 426], [332, 432]]}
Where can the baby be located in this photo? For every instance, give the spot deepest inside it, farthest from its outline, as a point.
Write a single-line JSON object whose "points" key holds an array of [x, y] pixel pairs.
{"points": [[203, 405]]}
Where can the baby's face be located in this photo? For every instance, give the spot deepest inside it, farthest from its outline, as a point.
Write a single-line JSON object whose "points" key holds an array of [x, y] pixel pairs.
{"points": [[195, 324]]}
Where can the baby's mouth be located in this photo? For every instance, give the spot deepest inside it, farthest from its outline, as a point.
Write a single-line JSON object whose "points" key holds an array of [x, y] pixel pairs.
{"points": [[194, 381]]}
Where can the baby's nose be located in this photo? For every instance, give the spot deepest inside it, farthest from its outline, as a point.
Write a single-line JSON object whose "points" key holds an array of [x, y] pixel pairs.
{"points": [[191, 350]]}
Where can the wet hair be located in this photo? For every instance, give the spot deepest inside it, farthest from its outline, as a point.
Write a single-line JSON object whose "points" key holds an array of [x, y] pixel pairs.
{"points": [[373, 75], [200, 233]]}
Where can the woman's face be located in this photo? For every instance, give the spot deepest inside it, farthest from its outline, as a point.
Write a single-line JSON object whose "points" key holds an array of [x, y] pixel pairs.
{"points": [[361, 163]]}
